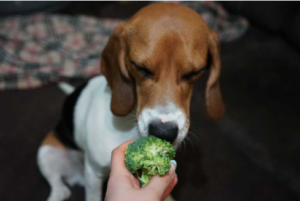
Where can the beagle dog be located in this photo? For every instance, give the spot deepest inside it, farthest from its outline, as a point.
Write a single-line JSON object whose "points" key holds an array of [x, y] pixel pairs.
{"points": [[149, 65]]}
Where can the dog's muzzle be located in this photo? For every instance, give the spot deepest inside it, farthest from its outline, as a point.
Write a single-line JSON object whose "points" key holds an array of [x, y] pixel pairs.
{"points": [[167, 123], [164, 130]]}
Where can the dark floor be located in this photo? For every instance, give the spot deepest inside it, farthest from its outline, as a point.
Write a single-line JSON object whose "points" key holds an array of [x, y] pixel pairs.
{"points": [[252, 154]]}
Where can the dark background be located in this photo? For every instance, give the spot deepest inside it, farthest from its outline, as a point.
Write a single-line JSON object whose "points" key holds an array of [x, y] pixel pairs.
{"points": [[252, 154]]}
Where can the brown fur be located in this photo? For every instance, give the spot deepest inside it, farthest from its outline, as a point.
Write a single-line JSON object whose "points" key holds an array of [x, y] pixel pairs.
{"points": [[52, 140], [170, 40]]}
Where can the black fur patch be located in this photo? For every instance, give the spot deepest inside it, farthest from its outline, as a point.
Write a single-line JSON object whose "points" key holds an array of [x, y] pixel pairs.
{"points": [[64, 130]]}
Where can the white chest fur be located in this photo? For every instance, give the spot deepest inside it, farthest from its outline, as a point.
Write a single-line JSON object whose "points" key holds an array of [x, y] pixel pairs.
{"points": [[97, 130]]}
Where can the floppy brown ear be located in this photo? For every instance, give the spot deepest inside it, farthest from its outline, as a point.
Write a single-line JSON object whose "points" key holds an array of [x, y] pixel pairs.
{"points": [[214, 104], [114, 69]]}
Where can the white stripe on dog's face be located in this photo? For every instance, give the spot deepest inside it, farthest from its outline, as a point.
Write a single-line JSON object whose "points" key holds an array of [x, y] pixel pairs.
{"points": [[168, 113]]}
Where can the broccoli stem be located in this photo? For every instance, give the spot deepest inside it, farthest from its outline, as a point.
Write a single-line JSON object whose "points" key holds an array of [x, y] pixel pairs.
{"points": [[145, 177]]}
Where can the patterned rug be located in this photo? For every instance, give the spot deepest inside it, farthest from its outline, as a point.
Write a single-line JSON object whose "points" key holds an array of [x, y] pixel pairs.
{"points": [[45, 48]]}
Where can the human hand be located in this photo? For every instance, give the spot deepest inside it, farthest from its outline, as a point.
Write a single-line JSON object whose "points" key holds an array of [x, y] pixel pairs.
{"points": [[123, 186]]}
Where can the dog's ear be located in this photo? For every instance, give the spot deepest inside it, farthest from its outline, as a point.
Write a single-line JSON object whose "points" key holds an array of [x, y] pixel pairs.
{"points": [[113, 67], [214, 104]]}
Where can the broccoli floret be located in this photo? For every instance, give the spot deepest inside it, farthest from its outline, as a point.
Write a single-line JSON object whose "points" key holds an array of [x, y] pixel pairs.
{"points": [[149, 156]]}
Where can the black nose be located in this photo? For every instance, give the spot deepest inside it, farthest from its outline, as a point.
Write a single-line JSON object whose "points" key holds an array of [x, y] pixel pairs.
{"points": [[165, 131]]}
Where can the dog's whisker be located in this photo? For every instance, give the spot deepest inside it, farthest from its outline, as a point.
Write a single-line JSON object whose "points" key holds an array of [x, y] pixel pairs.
{"points": [[181, 144], [191, 143], [135, 120], [179, 147], [130, 122], [194, 135], [133, 116]]}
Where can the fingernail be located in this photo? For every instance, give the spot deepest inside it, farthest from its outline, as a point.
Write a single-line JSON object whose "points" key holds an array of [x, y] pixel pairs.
{"points": [[174, 162], [173, 167]]}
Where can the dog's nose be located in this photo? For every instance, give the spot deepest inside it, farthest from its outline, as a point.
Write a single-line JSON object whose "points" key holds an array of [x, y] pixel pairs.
{"points": [[165, 131]]}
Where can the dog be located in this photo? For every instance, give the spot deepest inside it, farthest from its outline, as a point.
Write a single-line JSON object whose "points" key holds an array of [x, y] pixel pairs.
{"points": [[149, 65]]}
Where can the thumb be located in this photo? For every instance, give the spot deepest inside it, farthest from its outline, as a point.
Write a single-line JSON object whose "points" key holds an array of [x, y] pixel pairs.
{"points": [[159, 184]]}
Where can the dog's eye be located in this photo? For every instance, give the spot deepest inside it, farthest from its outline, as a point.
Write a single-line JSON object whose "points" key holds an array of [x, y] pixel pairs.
{"points": [[142, 70], [190, 76]]}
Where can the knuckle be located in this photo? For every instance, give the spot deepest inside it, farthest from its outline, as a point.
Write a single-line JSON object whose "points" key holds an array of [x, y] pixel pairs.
{"points": [[165, 179], [154, 193], [114, 152]]}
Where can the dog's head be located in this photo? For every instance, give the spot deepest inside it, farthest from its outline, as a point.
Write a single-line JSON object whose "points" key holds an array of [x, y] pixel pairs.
{"points": [[152, 61]]}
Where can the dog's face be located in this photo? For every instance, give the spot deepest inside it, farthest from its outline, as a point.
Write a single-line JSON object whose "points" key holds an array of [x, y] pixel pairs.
{"points": [[152, 61]]}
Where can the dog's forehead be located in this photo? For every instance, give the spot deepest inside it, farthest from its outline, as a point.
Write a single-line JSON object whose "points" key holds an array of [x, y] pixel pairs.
{"points": [[168, 30], [156, 12], [150, 28], [186, 44]]}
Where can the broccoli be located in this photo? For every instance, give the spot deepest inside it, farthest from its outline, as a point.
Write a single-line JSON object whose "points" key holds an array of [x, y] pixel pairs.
{"points": [[149, 156]]}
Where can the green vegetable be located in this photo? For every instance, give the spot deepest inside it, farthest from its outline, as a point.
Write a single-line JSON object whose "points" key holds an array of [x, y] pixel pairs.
{"points": [[149, 156]]}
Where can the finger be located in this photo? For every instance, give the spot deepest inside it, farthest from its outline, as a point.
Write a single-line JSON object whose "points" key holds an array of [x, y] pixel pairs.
{"points": [[117, 159], [170, 188], [136, 182], [158, 184]]}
